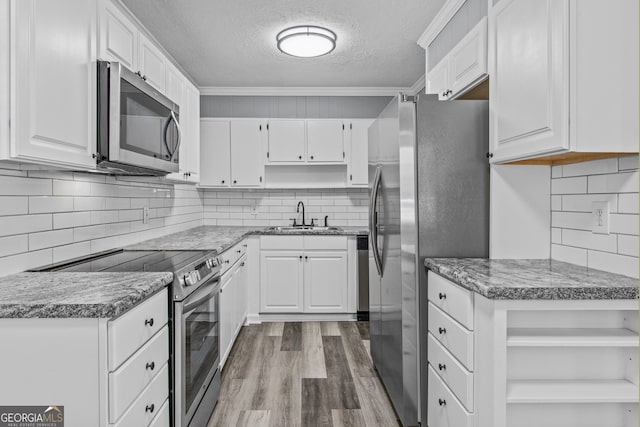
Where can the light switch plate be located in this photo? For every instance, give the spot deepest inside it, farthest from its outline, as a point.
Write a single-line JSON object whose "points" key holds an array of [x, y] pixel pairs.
{"points": [[600, 217]]}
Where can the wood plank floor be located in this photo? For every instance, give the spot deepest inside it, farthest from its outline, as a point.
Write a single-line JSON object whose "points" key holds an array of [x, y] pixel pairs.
{"points": [[302, 374]]}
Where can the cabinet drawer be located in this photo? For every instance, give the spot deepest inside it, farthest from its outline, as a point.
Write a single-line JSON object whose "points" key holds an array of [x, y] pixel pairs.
{"points": [[282, 242], [452, 335], [149, 403], [451, 298], [233, 254], [132, 377], [443, 409], [129, 332], [459, 380], [162, 419], [325, 242]]}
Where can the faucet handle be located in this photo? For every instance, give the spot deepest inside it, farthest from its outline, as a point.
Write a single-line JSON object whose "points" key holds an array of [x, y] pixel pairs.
{"points": [[313, 221], [326, 219], [294, 221]]}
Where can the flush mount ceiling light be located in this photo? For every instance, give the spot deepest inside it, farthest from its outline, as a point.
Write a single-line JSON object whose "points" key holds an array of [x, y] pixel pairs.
{"points": [[306, 41]]}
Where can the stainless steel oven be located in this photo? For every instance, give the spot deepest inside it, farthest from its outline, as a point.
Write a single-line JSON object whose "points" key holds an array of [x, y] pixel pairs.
{"points": [[138, 127], [197, 355]]}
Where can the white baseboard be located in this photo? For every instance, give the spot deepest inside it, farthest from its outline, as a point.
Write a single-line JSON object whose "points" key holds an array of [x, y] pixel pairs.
{"points": [[299, 317]]}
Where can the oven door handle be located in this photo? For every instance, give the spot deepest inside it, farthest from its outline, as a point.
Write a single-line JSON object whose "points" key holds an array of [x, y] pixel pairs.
{"points": [[201, 295]]}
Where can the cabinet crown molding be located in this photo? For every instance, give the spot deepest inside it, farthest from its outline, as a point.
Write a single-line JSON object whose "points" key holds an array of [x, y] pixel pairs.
{"points": [[443, 16]]}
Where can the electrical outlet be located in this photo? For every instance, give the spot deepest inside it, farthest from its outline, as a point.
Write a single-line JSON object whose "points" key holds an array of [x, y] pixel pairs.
{"points": [[145, 215], [600, 217], [254, 208]]}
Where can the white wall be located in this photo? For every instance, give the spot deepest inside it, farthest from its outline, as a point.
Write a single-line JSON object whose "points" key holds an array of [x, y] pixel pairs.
{"points": [[49, 216], [573, 189], [345, 207]]}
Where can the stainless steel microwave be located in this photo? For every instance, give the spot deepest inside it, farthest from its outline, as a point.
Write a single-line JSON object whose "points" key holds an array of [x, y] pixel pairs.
{"points": [[138, 127]]}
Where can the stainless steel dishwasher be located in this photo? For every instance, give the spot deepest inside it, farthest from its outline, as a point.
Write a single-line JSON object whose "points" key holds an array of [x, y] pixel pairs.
{"points": [[362, 244]]}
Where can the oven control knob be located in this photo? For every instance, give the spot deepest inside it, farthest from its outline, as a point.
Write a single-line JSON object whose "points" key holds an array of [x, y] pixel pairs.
{"points": [[198, 275], [188, 280], [209, 262]]}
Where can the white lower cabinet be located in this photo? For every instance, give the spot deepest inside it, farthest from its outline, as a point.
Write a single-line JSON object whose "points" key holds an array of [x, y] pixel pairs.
{"points": [[526, 363], [233, 304], [310, 276]]}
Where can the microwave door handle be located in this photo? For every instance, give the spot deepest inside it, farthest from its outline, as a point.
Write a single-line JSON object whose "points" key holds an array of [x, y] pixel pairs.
{"points": [[175, 119], [166, 128]]}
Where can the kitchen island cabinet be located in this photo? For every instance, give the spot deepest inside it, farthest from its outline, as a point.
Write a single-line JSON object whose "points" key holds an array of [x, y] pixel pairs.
{"points": [[97, 344], [522, 343]]}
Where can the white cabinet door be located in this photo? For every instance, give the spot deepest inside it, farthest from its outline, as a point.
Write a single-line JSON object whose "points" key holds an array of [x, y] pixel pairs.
{"points": [[227, 313], [325, 141], [325, 282], [242, 293], [286, 141], [281, 282], [118, 37], [247, 162], [152, 63], [438, 79], [468, 59], [357, 138], [215, 155], [5, 71], [54, 82], [191, 124], [529, 89]]}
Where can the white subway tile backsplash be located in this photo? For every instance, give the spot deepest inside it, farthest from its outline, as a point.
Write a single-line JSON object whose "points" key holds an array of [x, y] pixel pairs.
{"points": [[89, 233], [589, 240], [628, 203], [44, 204], [89, 203], [14, 205], [624, 224], [614, 263], [25, 261], [594, 167], [71, 219], [584, 202], [21, 224], [71, 188], [628, 162], [75, 250], [572, 239], [49, 239], [576, 185], [556, 171], [12, 245], [624, 182], [18, 186], [628, 245], [569, 254]]}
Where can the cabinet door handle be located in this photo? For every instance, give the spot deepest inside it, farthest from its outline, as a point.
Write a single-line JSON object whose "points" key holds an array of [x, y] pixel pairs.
{"points": [[223, 181], [442, 331], [311, 157], [242, 264], [150, 408], [306, 257], [300, 157], [148, 322], [442, 367], [489, 155], [238, 251], [235, 182], [442, 296], [151, 365], [442, 402], [300, 257]]}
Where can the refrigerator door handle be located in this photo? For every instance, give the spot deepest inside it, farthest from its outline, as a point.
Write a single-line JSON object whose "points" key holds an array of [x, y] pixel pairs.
{"points": [[373, 220]]}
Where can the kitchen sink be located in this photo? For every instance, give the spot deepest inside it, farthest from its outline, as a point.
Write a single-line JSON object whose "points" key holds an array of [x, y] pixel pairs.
{"points": [[304, 228]]}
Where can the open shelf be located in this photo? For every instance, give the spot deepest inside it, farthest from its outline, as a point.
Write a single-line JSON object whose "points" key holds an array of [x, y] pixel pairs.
{"points": [[571, 337], [571, 391]]}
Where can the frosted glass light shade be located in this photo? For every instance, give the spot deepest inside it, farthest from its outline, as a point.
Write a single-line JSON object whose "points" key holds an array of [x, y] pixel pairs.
{"points": [[306, 41]]}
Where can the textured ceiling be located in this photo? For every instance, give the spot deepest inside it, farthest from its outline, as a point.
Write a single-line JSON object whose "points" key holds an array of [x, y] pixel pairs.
{"points": [[232, 42]]}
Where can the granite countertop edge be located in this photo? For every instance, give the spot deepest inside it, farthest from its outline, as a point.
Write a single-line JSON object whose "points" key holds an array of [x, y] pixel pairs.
{"points": [[126, 299], [578, 283]]}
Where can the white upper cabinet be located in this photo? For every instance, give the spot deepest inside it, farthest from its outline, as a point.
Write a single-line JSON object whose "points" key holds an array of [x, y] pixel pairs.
{"points": [[530, 78], [286, 141], [175, 86], [5, 71], [247, 158], [325, 141], [468, 60], [215, 153], [357, 147], [53, 83], [192, 133], [152, 63], [564, 79], [438, 80], [118, 37]]}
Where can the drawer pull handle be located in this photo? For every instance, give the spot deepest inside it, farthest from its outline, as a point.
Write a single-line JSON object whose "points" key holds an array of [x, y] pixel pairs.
{"points": [[151, 365], [442, 402], [442, 330], [442, 296], [149, 322], [226, 261], [150, 408], [442, 367]]}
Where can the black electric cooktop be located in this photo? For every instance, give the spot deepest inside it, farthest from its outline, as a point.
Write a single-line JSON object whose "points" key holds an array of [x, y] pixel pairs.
{"points": [[129, 261]]}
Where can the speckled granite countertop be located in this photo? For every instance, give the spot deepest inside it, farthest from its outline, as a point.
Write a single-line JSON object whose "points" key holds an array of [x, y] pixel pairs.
{"points": [[76, 295], [527, 279], [220, 238]]}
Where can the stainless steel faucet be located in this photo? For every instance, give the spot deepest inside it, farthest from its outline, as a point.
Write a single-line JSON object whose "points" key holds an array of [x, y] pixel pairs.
{"points": [[298, 211]]}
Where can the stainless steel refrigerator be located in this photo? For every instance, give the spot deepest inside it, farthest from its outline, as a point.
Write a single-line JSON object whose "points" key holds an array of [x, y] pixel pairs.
{"points": [[429, 197]]}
